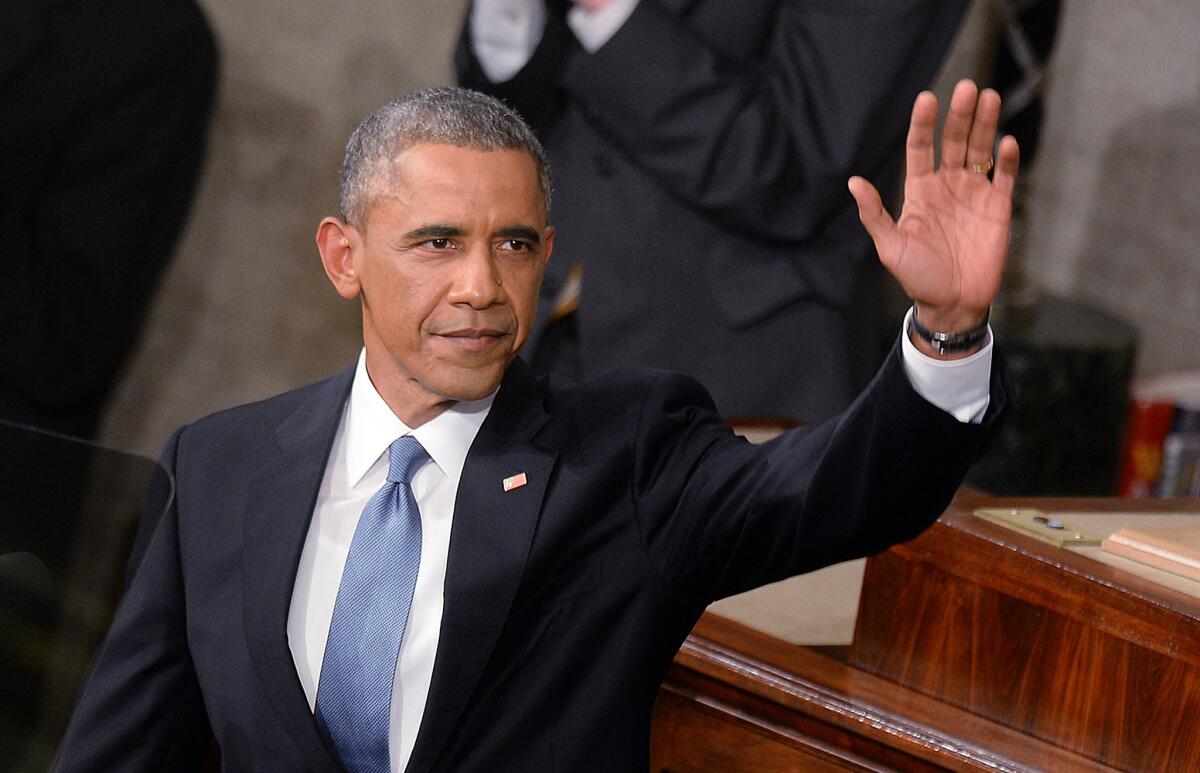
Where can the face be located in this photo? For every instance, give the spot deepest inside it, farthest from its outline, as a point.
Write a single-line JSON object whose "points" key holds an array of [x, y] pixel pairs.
{"points": [[447, 267]]}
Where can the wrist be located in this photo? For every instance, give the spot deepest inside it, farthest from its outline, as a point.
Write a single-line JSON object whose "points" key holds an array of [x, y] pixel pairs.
{"points": [[947, 336], [950, 320]]}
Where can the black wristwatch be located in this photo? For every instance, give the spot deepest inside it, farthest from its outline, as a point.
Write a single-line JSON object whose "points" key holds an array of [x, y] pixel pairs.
{"points": [[949, 343]]}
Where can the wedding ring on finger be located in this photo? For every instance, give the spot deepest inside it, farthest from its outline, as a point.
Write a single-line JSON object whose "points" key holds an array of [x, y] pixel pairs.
{"points": [[982, 168]]}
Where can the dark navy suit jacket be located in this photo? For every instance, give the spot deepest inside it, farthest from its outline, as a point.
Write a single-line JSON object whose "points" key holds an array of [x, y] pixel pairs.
{"points": [[565, 599]]}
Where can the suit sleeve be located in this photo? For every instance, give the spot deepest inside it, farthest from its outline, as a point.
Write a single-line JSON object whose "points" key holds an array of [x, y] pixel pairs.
{"points": [[534, 91], [93, 233], [720, 516], [764, 148], [141, 708]]}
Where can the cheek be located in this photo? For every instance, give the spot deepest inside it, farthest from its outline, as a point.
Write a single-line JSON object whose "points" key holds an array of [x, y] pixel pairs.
{"points": [[413, 302], [524, 282]]}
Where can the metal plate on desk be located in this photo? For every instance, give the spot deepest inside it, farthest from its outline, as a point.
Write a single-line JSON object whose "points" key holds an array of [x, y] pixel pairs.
{"points": [[1035, 523]]}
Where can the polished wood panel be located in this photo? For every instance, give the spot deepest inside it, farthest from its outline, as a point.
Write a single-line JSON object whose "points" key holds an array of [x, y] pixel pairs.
{"points": [[703, 740], [1038, 638], [737, 701]]}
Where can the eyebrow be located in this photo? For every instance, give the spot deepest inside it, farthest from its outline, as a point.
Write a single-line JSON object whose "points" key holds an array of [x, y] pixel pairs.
{"points": [[446, 231], [520, 232], [435, 231]]}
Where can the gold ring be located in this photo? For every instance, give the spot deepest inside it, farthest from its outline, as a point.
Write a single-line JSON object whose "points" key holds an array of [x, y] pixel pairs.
{"points": [[982, 168]]}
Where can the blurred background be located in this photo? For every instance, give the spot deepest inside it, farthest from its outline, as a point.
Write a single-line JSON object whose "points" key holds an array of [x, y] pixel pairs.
{"points": [[1102, 300], [244, 311]]}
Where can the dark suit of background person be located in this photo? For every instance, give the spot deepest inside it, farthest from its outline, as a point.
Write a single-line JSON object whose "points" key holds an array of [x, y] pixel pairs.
{"points": [[700, 159], [565, 599], [104, 113]]}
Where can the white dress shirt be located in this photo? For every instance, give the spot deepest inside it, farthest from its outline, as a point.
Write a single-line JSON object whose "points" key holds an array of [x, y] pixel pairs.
{"points": [[505, 33], [961, 388], [357, 468]]}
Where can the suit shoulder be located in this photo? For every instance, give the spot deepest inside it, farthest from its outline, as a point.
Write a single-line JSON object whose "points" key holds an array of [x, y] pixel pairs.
{"points": [[628, 387], [629, 403], [259, 418]]}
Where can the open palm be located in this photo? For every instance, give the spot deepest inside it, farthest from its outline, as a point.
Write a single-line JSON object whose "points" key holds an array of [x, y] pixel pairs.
{"points": [[947, 249]]}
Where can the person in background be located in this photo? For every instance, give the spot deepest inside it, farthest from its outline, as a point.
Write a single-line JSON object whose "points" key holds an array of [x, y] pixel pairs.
{"points": [[105, 111], [700, 149]]}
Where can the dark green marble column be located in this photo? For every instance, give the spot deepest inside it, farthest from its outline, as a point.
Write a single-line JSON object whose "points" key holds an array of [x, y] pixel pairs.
{"points": [[1072, 364]]}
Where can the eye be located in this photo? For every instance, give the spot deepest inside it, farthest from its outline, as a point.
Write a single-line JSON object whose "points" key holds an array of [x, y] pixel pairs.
{"points": [[516, 245], [439, 244]]}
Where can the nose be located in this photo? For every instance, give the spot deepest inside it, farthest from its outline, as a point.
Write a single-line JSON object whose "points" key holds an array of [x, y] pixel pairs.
{"points": [[477, 282]]}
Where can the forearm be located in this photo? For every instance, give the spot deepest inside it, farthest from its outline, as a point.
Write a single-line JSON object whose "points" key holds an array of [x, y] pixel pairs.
{"points": [[740, 515], [877, 475]]}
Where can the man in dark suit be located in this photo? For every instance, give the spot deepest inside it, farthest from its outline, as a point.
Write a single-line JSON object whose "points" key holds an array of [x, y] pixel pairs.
{"points": [[438, 561], [701, 149]]}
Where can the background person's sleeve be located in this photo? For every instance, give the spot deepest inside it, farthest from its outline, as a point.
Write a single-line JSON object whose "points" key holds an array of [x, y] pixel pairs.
{"points": [[87, 240], [765, 149]]}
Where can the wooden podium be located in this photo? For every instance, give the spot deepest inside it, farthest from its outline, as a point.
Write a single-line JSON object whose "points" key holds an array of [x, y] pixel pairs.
{"points": [[976, 648]]}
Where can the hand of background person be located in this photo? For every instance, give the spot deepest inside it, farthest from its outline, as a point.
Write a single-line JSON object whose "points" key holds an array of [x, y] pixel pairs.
{"points": [[947, 249], [591, 6]]}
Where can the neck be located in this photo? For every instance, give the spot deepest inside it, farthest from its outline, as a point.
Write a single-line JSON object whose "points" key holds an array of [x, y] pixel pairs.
{"points": [[415, 416], [410, 403]]}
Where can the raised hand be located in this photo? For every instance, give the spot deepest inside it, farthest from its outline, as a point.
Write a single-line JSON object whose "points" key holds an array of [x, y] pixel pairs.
{"points": [[947, 249]]}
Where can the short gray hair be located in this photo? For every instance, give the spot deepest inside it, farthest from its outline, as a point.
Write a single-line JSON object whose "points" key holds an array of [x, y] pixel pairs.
{"points": [[443, 116]]}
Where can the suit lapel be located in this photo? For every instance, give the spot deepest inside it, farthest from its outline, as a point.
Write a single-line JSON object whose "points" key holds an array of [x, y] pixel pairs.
{"points": [[489, 544], [279, 508]]}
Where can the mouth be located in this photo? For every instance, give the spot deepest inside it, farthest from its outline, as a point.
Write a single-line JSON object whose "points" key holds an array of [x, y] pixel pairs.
{"points": [[474, 339]]}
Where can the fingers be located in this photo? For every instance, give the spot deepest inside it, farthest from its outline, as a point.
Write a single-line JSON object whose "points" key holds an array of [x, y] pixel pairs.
{"points": [[982, 142], [919, 145], [1008, 159], [875, 218], [957, 131]]}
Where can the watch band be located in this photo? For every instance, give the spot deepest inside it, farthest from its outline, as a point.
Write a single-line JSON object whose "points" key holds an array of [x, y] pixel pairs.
{"points": [[949, 343]]}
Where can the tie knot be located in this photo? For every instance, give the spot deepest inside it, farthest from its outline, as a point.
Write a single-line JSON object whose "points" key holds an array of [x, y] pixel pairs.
{"points": [[405, 456]]}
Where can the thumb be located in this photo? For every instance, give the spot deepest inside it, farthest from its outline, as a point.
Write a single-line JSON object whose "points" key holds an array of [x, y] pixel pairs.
{"points": [[875, 219]]}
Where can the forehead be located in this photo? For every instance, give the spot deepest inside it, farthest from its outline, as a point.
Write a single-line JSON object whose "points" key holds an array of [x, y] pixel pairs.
{"points": [[441, 181]]}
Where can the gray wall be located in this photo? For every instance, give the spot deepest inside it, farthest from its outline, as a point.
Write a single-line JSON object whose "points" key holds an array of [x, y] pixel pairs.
{"points": [[1116, 191], [246, 312]]}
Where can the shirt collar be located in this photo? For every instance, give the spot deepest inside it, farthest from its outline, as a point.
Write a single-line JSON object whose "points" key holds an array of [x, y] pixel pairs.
{"points": [[371, 427]]}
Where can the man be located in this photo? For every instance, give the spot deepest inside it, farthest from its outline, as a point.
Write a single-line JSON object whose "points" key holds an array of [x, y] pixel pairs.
{"points": [[701, 150], [438, 561]]}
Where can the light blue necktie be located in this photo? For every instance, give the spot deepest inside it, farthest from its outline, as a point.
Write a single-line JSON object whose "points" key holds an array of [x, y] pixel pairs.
{"points": [[354, 695]]}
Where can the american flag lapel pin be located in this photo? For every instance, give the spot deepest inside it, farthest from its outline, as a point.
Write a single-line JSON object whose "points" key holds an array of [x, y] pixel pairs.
{"points": [[514, 481]]}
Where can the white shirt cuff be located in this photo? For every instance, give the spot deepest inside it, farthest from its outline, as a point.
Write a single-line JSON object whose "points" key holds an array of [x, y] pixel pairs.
{"points": [[505, 33], [595, 28], [961, 388]]}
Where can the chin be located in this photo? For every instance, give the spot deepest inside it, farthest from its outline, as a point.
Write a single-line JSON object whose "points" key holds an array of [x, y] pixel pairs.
{"points": [[475, 385]]}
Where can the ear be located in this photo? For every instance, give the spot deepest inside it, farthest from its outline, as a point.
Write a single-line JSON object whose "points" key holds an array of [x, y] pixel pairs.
{"points": [[339, 244], [548, 244]]}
